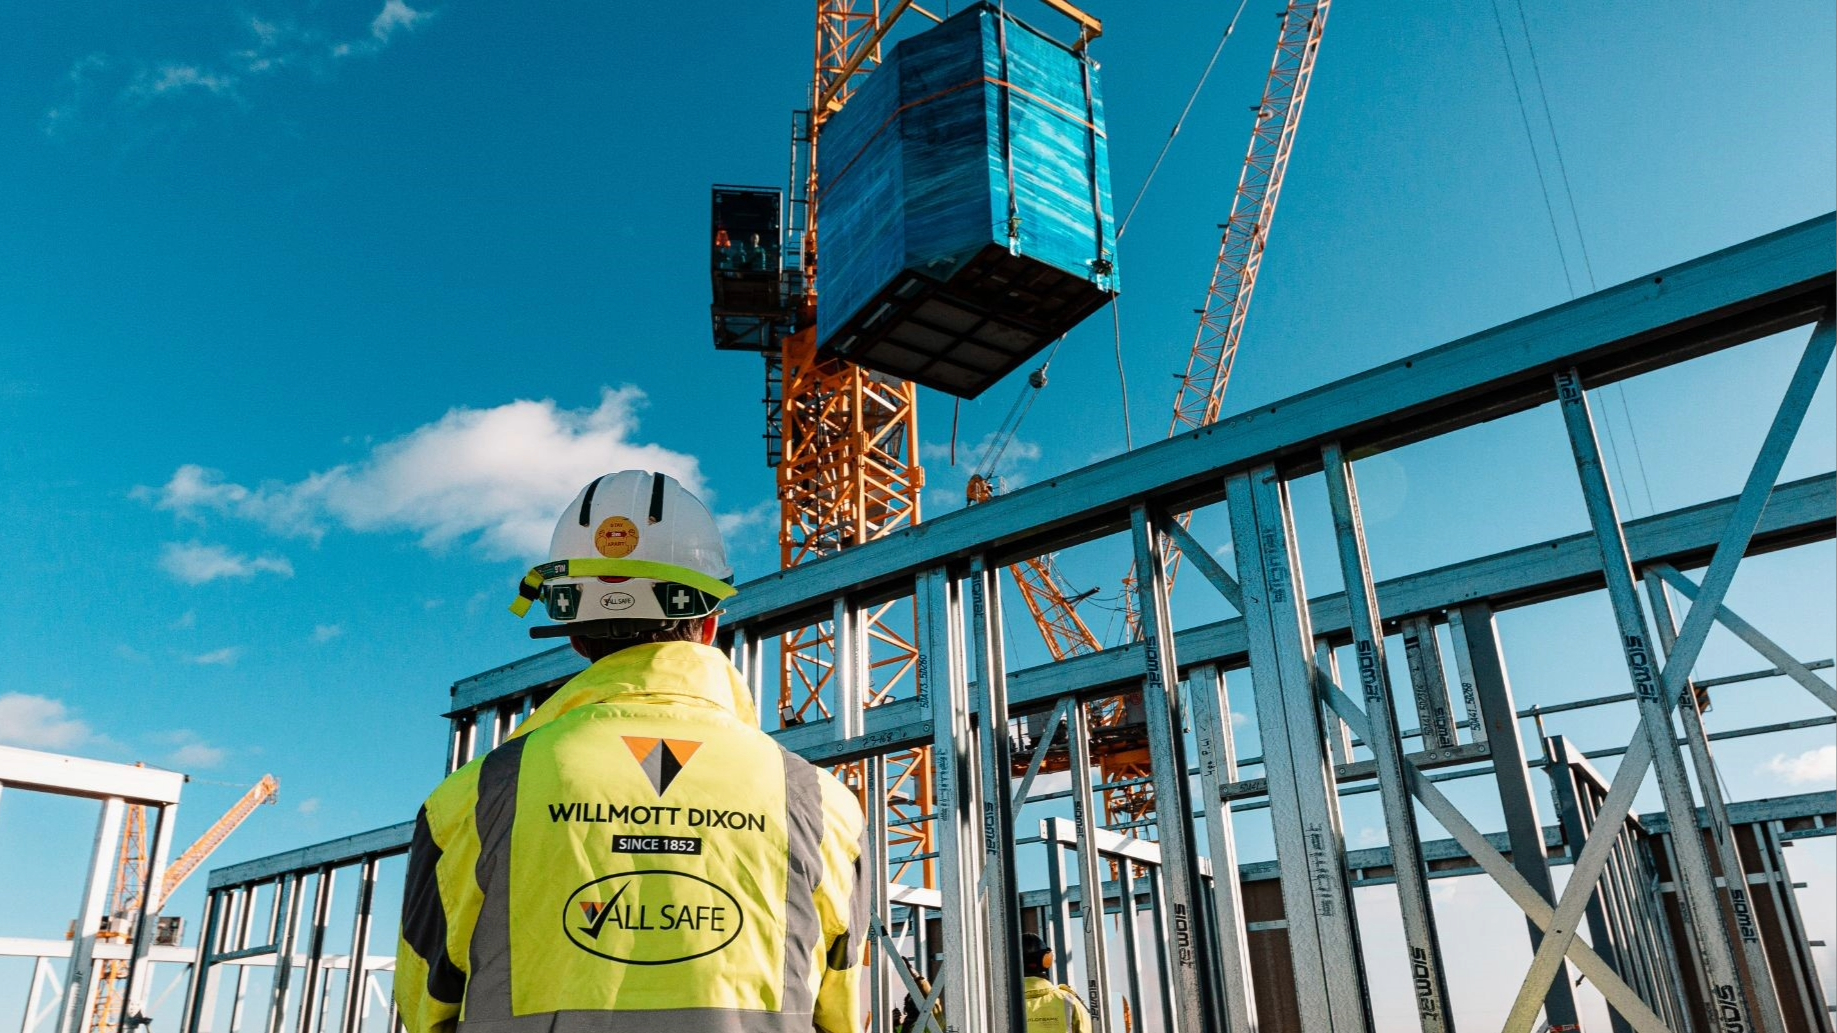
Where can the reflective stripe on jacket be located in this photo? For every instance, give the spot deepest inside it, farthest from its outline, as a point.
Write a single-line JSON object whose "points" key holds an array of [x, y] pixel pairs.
{"points": [[639, 857], [1051, 1009]]}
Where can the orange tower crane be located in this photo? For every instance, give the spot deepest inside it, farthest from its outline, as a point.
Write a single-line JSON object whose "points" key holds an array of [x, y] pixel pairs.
{"points": [[130, 883]]}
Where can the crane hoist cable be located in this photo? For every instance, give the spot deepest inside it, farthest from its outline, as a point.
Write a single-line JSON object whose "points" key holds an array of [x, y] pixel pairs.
{"points": [[1180, 122], [1004, 434], [1575, 218]]}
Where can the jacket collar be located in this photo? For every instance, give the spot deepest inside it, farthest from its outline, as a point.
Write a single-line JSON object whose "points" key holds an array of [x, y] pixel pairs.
{"points": [[679, 674]]}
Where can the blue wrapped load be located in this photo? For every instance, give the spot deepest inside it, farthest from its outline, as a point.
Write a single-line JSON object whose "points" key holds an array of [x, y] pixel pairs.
{"points": [[965, 217]]}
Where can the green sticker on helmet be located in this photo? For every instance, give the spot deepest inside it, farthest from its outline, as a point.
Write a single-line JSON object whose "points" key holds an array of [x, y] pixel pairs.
{"points": [[563, 601]]}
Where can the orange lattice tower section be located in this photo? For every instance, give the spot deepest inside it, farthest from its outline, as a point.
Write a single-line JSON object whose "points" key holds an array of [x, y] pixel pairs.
{"points": [[849, 471]]}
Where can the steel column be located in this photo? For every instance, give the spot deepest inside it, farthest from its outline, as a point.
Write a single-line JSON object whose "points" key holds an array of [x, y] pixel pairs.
{"points": [[945, 693], [1090, 871], [1189, 969], [1499, 714], [287, 901], [325, 884], [357, 978], [79, 977], [152, 901], [1304, 806], [1000, 885], [1216, 744], [1428, 684], [880, 989], [1429, 980], [1463, 668], [1726, 999]]}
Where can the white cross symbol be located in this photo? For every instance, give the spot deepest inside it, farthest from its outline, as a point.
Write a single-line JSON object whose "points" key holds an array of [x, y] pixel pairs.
{"points": [[679, 599]]}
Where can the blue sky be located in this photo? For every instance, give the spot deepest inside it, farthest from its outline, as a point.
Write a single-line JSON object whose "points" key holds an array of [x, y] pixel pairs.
{"points": [[312, 314]]}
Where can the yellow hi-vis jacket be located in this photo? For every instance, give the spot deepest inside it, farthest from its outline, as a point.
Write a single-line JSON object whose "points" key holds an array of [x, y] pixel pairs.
{"points": [[637, 858], [1052, 1009]]}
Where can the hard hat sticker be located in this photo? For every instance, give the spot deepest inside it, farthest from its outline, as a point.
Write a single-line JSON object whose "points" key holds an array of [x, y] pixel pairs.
{"points": [[683, 601], [652, 917], [616, 537], [563, 601]]}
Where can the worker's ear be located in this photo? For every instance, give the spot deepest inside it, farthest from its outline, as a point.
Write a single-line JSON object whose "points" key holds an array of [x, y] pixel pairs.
{"points": [[1046, 961], [709, 624]]}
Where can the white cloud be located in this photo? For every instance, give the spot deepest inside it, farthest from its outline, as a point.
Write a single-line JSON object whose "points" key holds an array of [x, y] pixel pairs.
{"points": [[186, 621], [396, 15], [731, 525], [79, 84], [195, 563], [177, 78], [274, 46], [310, 805], [323, 633], [492, 477], [225, 657], [130, 654], [194, 755], [1813, 767], [1009, 467], [39, 723], [1369, 837]]}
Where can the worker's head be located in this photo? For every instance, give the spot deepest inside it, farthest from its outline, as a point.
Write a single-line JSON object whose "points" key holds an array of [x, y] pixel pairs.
{"points": [[1036, 955], [635, 559]]}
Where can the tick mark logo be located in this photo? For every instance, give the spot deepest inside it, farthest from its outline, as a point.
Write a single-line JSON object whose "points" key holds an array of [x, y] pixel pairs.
{"points": [[652, 917], [661, 759], [596, 912]]}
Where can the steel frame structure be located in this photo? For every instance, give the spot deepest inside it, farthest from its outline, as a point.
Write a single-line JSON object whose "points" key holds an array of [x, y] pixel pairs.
{"points": [[1278, 947], [256, 915], [93, 959]]}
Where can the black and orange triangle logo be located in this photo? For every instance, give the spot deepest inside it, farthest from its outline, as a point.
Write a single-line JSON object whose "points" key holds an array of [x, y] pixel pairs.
{"points": [[661, 765]]}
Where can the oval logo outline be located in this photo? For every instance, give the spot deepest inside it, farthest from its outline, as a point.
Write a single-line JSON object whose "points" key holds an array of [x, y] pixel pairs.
{"points": [[569, 929], [617, 601]]}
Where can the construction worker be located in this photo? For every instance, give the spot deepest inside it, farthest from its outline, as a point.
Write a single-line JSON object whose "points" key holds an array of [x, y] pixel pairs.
{"points": [[638, 855], [1050, 1009]]}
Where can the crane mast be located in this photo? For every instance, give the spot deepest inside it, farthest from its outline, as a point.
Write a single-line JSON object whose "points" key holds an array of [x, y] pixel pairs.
{"points": [[848, 441]]}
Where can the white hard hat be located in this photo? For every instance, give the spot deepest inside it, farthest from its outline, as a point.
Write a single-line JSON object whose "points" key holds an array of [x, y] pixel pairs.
{"points": [[633, 549]]}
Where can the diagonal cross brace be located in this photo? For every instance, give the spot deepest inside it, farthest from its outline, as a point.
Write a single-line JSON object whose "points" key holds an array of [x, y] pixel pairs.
{"points": [[1497, 865], [1748, 633], [1656, 700]]}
